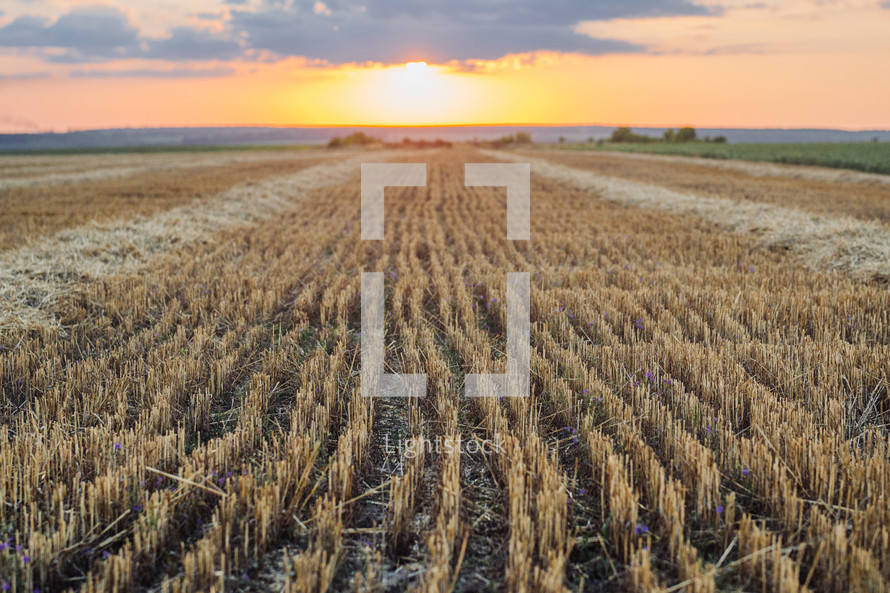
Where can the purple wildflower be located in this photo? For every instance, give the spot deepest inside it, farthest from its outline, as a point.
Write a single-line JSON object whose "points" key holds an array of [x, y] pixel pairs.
{"points": [[117, 446], [641, 529], [746, 471], [26, 559], [582, 492], [719, 509]]}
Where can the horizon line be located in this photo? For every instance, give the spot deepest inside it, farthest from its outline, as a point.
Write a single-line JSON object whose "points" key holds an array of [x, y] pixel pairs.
{"points": [[460, 125]]}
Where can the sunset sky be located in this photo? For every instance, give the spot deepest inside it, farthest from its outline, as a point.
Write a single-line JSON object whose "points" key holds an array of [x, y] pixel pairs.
{"points": [[66, 64]]}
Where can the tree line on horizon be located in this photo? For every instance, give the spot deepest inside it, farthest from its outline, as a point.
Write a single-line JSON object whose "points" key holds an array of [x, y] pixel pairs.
{"points": [[362, 139], [681, 135]]}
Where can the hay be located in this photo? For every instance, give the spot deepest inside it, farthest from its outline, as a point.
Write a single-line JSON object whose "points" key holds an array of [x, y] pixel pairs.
{"points": [[55, 170], [820, 242], [34, 278]]}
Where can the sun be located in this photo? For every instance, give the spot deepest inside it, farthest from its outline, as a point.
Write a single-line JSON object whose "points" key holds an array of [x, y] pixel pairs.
{"points": [[414, 87], [409, 93], [416, 66]]}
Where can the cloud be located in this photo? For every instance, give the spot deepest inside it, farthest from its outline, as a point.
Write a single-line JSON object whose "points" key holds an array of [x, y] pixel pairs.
{"points": [[525, 12], [398, 40], [321, 8], [155, 73], [886, 5], [98, 33], [25, 76], [186, 43], [397, 30], [349, 31], [86, 31]]}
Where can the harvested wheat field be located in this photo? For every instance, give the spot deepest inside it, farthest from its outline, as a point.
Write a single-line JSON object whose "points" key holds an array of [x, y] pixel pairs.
{"points": [[181, 397]]}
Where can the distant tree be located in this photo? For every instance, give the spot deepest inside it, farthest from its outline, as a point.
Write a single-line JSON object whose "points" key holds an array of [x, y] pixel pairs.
{"points": [[720, 139], [504, 141], [358, 138], [686, 134], [523, 138], [562, 140], [626, 135], [623, 134], [875, 139], [669, 135], [590, 140]]}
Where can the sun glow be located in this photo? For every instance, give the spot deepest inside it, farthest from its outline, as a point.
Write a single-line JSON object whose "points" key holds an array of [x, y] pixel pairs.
{"points": [[415, 92]]}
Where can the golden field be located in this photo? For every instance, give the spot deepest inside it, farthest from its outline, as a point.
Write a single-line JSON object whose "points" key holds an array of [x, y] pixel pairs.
{"points": [[181, 407]]}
